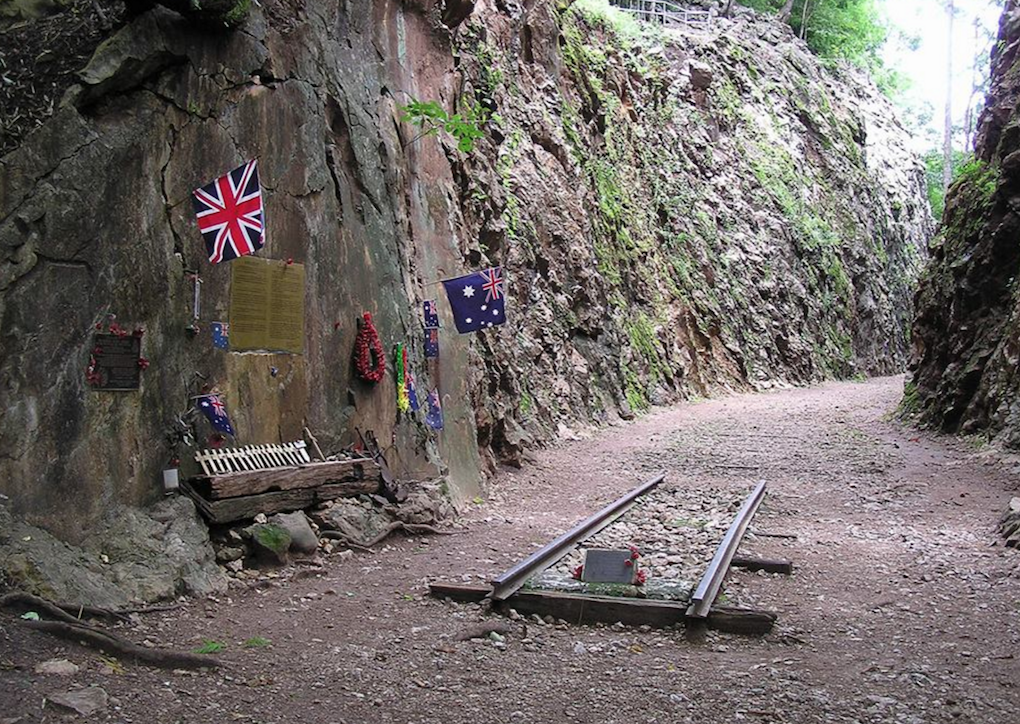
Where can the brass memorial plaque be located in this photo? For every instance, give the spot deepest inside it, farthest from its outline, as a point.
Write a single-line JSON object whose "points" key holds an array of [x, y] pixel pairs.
{"points": [[267, 305]]}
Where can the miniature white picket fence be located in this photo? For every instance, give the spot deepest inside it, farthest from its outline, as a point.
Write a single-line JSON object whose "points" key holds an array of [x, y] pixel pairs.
{"points": [[252, 457]]}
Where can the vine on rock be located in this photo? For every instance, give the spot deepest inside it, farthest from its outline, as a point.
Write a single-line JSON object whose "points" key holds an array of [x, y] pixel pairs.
{"points": [[369, 357]]}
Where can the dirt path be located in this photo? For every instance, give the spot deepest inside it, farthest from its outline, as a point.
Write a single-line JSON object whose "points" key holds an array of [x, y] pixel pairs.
{"points": [[902, 609]]}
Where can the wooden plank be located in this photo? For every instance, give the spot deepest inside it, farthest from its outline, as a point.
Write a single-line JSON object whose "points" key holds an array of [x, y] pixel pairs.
{"points": [[583, 609], [273, 451], [260, 457], [289, 478], [291, 455], [248, 506], [302, 448], [201, 459], [226, 460], [777, 565], [459, 592], [244, 457], [751, 622], [214, 461]]}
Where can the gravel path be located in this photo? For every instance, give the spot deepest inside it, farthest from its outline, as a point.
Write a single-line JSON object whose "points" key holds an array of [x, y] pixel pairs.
{"points": [[902, 608]]}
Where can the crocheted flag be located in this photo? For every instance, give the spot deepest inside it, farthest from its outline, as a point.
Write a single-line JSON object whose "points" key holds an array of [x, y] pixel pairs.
{"points": [[477, 300], [434, 411], [412, 391], [229, 213]]}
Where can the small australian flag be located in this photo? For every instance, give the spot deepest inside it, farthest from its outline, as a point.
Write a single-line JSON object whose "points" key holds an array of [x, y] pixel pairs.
{"points": [[432, 343], [412, 391], [477, 300], [434, 411], [214, 411], [431, 314], [220, 335]]}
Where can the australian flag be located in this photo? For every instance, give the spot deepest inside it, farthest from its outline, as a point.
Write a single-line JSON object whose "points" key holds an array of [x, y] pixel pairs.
{"points": [[434, 411], [229, 212], [431, 314], [412, 391], [214, 411], [477, 300], [220, 335], [432, 343]]}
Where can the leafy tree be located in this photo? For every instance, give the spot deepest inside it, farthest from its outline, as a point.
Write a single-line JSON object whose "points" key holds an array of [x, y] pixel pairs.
{"points": [[852, 30]]}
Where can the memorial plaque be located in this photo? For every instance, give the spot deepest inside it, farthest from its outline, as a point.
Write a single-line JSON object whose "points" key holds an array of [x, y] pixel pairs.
{"points": [[117, 362], [267, 305], [607, 565]]}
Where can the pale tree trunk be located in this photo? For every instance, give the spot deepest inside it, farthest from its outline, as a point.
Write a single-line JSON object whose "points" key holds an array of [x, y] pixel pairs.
{"points": [[804, 19], [975, 88], [784, 14], [947, 137], [728, 10]]}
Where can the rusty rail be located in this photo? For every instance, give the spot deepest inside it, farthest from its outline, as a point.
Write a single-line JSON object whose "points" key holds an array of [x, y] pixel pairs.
{"points": [[711, 582], [507, 583]]}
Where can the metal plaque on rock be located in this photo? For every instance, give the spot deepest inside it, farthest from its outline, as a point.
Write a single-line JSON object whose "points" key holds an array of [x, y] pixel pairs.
{"points": [[267, 305], [116, 359], [607, 565]]}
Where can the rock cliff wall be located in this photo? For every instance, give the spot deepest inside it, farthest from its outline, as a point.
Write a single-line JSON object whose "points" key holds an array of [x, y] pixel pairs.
{"points": [[677, 214], [966, 350]]}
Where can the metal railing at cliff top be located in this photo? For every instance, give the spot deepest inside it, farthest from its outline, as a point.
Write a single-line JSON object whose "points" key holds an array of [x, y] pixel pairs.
{"points": [[666, 13]]}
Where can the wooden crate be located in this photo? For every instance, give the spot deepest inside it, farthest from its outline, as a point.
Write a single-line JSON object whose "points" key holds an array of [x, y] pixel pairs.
{"points": [[240, 483]]}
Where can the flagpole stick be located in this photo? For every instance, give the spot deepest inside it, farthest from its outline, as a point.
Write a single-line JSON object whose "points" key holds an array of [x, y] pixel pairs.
{"points": [[440, 281], [450, 279]]}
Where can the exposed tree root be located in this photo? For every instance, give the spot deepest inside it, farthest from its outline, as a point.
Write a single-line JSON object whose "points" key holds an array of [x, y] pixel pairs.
{"points": [[383, 534], [61, 611], [68, 627], [482, 630]]}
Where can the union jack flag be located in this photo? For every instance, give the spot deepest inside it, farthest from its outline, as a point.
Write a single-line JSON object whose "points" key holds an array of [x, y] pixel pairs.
{"points": [[229, 212], [493, 284]]}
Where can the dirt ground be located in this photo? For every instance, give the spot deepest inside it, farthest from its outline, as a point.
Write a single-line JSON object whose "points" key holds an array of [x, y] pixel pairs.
{"points": [[903, 607]]}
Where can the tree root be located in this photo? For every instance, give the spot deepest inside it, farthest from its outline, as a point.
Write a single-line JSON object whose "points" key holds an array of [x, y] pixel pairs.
{"points": [[68, 627], [67, 612], [383, 534], [482, 630]]}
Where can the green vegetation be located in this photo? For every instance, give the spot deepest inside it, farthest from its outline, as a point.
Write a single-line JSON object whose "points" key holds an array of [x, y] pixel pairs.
{"points": [[911, 402], [210, 646], [236, 15], [851, 30], [971, 195], [431, 118], [257, 642]]}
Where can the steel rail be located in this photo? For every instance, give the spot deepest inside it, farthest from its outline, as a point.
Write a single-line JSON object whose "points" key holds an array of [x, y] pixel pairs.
{"points": [[711, 582], [507, 583]]}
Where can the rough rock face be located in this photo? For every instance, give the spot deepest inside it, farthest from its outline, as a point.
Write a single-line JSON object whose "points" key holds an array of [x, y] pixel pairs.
{"points": [[128, 557], [676, 214], [966, 332]]}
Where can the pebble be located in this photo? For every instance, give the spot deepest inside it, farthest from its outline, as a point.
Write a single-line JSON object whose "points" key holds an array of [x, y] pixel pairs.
{"points": [[58, 667]]}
